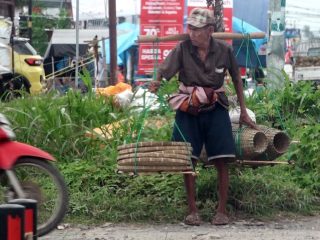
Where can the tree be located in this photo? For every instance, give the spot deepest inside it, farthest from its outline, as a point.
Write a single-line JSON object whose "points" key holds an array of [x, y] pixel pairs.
{"points": [[42, 22], [63, 21], [218, 14]]}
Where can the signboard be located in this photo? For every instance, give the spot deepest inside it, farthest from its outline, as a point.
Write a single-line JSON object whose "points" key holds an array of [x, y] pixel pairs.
{"points": [[158, 18], [227, 11], [163, 18]]}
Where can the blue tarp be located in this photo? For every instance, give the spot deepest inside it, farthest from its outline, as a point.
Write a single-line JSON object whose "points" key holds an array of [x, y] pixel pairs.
{"points": [[254, 12], [126, 37], [246, 51]]}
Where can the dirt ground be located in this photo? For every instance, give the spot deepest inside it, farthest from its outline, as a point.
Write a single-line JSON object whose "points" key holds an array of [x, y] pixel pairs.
{"points": [[302, 228]]}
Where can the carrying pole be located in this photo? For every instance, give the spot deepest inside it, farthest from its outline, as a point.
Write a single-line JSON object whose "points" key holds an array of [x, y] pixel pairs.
{"points": [[185, 36]]}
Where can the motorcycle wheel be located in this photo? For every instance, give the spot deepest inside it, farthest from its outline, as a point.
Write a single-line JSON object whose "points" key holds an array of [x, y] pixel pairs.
{"points": [[42, 181]]}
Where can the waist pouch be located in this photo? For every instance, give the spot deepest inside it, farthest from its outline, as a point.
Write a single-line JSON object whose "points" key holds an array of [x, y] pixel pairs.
{"points": [[192, 104]]}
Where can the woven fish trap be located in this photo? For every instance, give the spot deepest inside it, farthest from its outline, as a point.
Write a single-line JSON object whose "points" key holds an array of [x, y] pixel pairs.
{"points": [[154, 157], [249, 142], [278, 143]]}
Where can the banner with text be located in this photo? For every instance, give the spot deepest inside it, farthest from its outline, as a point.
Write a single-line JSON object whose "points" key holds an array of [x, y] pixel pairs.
{"points": [[158, 18]]}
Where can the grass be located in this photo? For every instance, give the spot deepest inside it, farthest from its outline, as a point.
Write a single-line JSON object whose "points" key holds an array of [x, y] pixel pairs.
{"points": [[58, 124]]}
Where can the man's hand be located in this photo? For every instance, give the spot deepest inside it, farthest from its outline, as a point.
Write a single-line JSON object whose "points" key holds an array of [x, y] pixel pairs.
{"points": [[154, 86], [245, 119]]}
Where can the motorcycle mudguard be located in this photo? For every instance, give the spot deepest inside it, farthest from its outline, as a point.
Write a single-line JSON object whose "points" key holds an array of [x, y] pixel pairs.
{"points": [[11, 151]]}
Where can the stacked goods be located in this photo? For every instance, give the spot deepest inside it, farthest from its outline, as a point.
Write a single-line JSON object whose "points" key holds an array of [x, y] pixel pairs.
{"points": [[249, 142], [155, 157], [278, 143], [307, 61]]}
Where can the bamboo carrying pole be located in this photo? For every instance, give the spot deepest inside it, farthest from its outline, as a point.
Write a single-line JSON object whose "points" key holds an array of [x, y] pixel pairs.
{"points": [[253, 162], [216, 35]]}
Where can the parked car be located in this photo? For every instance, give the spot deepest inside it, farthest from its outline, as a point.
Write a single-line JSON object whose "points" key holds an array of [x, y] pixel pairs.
{"points": [[28, 64]]}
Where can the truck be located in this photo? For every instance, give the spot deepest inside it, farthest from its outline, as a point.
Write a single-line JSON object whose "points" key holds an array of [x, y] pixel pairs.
{"points": [[306, 65], [6, 71]]}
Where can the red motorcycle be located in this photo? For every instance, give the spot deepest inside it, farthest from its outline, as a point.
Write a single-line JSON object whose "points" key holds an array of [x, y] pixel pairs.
{"points": [[28, 172]]}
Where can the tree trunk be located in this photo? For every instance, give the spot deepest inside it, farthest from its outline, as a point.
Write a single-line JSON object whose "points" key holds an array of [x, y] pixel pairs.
{"points": [[217, 5], [218, 14]]}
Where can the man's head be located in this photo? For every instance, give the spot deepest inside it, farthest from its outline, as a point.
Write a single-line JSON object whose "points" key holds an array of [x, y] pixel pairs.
{"points": [[200, 26], [200, 17]]}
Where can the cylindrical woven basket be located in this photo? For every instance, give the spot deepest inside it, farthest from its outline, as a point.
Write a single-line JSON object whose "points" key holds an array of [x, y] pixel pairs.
{"points": [[249, 142], [155, 149], [278, 143], [152, 162], [154, 157], [155, 169], [153, 144]]}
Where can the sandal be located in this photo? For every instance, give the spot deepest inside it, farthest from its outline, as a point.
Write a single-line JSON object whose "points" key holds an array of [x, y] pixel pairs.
{"points": [[193, 219], [220, 219]]}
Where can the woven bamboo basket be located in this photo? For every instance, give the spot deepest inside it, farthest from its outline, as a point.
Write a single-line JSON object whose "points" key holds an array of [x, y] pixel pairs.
{"points": [[249, 142], [154, 157], [154, 169], [278, 143], [155, 149]]}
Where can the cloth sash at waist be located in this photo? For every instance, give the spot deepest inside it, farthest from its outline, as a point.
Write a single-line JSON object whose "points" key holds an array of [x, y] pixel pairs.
{"points": [[194, 99]]}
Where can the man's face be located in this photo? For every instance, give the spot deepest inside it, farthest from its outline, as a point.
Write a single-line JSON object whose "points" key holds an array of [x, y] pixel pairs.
{"points": [[199, 36]]}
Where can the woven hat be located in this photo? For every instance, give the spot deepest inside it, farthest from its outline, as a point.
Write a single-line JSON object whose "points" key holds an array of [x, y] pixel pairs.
{"points": [[200, 17]]}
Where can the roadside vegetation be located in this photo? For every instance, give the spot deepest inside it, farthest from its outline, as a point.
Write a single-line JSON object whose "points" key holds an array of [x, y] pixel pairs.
{"points": [[60, 125]]}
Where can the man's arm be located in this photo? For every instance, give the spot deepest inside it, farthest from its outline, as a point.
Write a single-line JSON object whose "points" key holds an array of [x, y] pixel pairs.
{"points": [[244, 117], [233, 69], [169, 67], [155, 84]]}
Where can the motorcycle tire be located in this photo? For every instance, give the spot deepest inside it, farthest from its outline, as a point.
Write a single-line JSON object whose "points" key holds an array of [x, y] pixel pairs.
{"points": [[42, 181]]}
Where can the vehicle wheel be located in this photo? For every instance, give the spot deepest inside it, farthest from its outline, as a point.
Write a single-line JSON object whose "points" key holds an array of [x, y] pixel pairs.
{"points": [[14, 87], [41, 181], [20, 83]]}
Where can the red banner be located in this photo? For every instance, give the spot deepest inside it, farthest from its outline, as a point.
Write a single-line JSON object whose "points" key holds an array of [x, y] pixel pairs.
{"points": [[159, 18], [162, 18]]}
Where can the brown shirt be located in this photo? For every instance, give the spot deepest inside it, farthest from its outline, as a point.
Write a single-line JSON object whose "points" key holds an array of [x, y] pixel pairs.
{"points": [[194, 72]]}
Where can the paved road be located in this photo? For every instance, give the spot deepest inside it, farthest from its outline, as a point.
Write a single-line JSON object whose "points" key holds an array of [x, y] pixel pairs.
{"points": [[303, 229]]}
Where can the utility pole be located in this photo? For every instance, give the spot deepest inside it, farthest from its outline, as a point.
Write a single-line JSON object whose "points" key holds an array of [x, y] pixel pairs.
{"points": [[113, 41], [276, 48], [77, 46], [30, 20]]}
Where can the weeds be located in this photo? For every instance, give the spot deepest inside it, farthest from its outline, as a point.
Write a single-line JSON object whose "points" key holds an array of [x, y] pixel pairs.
{"points": [[58, 124]]}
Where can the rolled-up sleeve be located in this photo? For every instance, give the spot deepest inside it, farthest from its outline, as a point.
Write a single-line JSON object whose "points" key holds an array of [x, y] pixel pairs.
{"points": [[172, 64]]}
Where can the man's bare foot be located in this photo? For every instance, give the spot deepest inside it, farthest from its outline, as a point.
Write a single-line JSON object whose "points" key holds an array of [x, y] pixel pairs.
{"points": [[193, 219], [220, 219]]}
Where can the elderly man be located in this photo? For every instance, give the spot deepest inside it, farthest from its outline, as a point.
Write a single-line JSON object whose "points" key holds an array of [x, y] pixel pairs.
{"points": [[202, 105]]}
